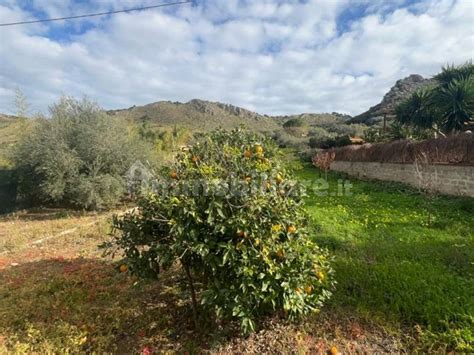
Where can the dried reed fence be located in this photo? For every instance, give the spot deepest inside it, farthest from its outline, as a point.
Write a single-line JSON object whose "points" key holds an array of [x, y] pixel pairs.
{"points": [[455, 149]]}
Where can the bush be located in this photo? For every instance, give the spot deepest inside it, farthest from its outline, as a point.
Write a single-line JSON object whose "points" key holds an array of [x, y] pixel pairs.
{"points": [[294, 122], [233, 217], [77, 157], [285, 140], [339, 141]]}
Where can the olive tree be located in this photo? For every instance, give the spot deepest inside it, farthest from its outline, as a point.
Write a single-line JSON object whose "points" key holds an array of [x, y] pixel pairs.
{"points": [[77, 157]]}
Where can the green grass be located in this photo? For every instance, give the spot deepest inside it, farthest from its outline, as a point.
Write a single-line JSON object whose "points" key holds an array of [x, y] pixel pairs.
{"points": [[400, 282], [395, 269]]}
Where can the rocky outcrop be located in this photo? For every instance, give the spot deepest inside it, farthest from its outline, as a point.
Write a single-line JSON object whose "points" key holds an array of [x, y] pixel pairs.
{"points": [[402, 89]]}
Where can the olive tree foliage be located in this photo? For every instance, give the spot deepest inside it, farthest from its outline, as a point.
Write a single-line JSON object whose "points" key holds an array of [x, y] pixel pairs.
{"points": [[233, 218], [22, 106], [77, 157]]}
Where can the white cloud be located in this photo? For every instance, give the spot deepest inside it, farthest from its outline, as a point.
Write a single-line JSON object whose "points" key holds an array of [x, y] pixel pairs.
{"points": [[271, 56]]}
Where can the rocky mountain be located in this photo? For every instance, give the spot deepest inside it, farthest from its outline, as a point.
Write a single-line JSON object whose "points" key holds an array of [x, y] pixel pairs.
{"points": [[400, 91], [197, 115]]}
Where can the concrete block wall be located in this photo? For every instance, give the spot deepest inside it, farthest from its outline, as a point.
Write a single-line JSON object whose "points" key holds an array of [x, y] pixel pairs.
{"points": [[446, 179]]}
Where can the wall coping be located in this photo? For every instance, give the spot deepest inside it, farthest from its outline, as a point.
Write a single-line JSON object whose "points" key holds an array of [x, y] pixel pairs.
{"points": [[399, 163]]}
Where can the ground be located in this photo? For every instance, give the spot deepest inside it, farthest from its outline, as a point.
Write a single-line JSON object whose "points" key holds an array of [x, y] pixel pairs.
{"points": [[403, 285]]}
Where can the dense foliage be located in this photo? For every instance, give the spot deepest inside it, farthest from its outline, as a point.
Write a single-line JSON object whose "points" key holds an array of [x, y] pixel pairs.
{"points": [[327, 143], [76, 157], [234, 218], [294, 122], [445, 108]]}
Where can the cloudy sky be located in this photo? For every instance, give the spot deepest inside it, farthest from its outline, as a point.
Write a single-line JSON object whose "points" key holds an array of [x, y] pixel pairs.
{"points": [[271, 56]]}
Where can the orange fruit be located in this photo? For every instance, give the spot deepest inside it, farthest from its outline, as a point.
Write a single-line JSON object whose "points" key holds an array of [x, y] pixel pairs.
{"points": [[279, 179], [320, 276], [334, 351], [291, 229], [247, 153], [240, 234], [195, 159], [308, 289], [123, 268], [174, 175]]}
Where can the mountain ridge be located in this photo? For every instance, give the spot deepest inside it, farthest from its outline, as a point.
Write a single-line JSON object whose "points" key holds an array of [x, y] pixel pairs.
{"points": [[203, 115], [402, 89]]}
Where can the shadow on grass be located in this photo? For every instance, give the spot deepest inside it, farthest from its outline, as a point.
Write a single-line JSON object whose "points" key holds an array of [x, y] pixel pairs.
{"points": [[87, 305], [8, 191], [49, 214]]}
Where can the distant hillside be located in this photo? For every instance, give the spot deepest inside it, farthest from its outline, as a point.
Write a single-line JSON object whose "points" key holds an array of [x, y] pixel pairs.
{"points": [[400, 91], [196, 115], [201, 115], [6, 119]]}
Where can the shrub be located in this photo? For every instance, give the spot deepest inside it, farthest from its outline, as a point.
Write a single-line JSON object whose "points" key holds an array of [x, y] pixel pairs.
{"points": [[323, 160], [294, 122], [77, 157], [231, 215], [339, 141], [285, 140]]}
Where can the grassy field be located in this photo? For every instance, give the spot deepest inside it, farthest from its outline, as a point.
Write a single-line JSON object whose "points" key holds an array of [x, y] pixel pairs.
{"points": [[402, 284], [396, 270]]}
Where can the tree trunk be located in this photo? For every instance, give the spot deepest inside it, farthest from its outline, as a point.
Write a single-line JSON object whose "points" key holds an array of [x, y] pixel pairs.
{"points": [[193, 293]]}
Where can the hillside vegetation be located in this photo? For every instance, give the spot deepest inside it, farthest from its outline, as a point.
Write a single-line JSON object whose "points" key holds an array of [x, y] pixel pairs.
{"points": [[170, 125], [196, 115]]}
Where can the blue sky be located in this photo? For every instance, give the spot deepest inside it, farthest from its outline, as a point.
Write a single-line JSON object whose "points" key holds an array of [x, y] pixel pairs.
{"points": [[271, 56]]}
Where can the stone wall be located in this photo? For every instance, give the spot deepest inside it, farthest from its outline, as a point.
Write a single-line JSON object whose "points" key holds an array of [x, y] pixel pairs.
{"points": [[446, 179]]}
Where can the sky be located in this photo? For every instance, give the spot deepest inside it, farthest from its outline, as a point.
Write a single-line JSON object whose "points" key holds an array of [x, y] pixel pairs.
{"points": [[270, 56]]}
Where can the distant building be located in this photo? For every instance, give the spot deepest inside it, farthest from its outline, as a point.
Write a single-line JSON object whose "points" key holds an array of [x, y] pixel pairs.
{"points": [[356, 140]]}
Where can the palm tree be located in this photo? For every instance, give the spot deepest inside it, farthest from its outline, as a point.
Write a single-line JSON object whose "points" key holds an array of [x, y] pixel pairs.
{"points": [[450, 73], [418, 110], [445, 107], [455, 103]]}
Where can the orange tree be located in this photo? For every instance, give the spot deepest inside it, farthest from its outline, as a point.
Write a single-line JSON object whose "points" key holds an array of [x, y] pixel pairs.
{"points": [[234, 219]]}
